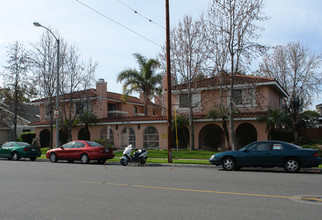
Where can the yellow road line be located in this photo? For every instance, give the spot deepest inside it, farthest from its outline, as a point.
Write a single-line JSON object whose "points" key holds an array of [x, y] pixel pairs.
{"points": [[201, 191]]}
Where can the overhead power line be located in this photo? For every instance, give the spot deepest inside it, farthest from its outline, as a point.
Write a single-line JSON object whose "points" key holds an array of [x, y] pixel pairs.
{"points": [[136, 12], [118, 23]]}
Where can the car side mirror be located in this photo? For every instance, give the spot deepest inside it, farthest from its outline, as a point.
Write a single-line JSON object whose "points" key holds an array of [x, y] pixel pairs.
{"points": [[245, 150]]}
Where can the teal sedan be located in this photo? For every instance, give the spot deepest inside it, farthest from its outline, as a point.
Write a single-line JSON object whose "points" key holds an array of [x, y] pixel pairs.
{"points": [[17, 150], [268, 154]]}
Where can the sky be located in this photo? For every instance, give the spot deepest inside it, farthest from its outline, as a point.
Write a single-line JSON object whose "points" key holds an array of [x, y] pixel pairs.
{"points": [[112, 44]]}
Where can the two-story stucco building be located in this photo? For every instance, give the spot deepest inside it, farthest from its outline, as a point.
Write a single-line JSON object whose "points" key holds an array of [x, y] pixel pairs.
{"points": [[122, 123]]}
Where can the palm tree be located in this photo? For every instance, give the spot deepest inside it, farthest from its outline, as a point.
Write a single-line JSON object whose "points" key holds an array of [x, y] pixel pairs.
{"points": [[144, 81]]}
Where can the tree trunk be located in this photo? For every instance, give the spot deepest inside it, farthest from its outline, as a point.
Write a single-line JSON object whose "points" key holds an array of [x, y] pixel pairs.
{"points": [[192, 132], [231, 115], [224, 125]]}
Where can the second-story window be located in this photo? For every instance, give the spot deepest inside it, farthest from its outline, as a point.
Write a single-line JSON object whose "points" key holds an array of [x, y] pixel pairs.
{"points": [[184, 101], [82, 106], [244, 96]]}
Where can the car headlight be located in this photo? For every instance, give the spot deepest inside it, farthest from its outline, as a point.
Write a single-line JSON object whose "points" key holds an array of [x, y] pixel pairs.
{"points": [[212, 157]]}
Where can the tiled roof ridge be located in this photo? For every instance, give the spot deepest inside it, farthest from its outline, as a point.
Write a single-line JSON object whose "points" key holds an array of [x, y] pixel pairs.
{"points": [[255, 77]]}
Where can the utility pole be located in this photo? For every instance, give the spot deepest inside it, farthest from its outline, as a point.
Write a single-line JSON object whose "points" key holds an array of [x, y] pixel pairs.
{"points": [[168, 78]]}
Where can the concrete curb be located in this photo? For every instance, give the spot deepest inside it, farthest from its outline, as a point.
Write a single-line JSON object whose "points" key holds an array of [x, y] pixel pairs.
{"points": [[117, 163]]}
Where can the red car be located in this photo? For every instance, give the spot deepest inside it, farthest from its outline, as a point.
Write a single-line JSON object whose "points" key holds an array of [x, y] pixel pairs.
{"points": [[80, 150]]}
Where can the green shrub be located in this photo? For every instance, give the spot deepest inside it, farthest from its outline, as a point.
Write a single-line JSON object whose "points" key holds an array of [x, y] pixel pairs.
{"points": [[104, 143], [28, 136], [302, 141], [282, 135]]}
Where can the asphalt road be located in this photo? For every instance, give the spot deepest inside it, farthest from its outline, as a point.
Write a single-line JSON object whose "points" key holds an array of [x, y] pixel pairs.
{"points": [[43, 190]]}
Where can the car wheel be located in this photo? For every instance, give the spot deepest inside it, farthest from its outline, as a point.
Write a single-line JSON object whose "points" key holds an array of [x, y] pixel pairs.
{"points": [[84, 158], [53, 158], [124, 162], [33, 158], [101, 161], [15, 156], [143, 161], [228, 163], [292, 165]]}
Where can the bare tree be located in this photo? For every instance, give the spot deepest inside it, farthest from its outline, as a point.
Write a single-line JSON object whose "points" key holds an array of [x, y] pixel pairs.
{"points": [[298, 71], [15, 76], [188, 63], [297, 68], [77, 75], [234, 29], [44, 65]]}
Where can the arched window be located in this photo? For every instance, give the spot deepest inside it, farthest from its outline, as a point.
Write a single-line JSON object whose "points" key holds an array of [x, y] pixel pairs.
{"points": [[127, 137], [108, 135], [151, 138]]}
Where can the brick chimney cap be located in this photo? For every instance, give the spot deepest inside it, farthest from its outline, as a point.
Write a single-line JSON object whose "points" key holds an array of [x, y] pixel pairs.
{"points": [[101, 80]]}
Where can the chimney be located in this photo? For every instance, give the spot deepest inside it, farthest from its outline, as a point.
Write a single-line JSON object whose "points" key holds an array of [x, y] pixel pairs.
{"points": [[101, 88]]}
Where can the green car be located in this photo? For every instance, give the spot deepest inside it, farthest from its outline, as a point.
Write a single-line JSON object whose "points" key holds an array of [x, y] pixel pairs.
{"points": [[17, 150]]}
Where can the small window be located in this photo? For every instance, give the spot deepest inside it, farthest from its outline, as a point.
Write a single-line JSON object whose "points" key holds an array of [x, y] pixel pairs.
{"points": [[22, 144], [237, 96], [184, 101], [93, 144], [6, 144], [68, 145], [78, 145], [259, 147]]}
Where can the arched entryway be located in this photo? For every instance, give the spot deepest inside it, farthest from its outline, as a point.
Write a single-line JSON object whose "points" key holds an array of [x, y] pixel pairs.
{"points": [[108, 135], [245, 134], [84, 134], [63, 136], [151, 138], [127, 137], [183, 138], [44, 137], [211, 137]]}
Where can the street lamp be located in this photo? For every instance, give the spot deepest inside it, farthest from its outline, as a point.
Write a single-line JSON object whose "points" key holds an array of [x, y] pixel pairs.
{"points": [[37, 24]]}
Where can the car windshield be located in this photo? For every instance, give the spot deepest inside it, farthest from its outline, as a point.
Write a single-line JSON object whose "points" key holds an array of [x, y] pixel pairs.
{"points": [[22, 144], [93, 144]]}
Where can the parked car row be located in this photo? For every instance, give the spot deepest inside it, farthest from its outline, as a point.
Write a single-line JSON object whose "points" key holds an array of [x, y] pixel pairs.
{"points": [[71, 151], [256, 154], [16, 150], [268, 154]]}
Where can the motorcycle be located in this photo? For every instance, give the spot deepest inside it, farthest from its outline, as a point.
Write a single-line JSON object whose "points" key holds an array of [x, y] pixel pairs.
{"points": [[139, 156]]}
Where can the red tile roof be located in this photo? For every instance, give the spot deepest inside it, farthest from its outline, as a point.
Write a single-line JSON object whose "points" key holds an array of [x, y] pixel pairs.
{"points": [[215, 81], [91, 93], [159, 118]]}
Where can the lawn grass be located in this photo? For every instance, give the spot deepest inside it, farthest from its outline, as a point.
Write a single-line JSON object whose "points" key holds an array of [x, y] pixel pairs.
{"points": [[161, 156], [44, 150], [181, 154]]}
